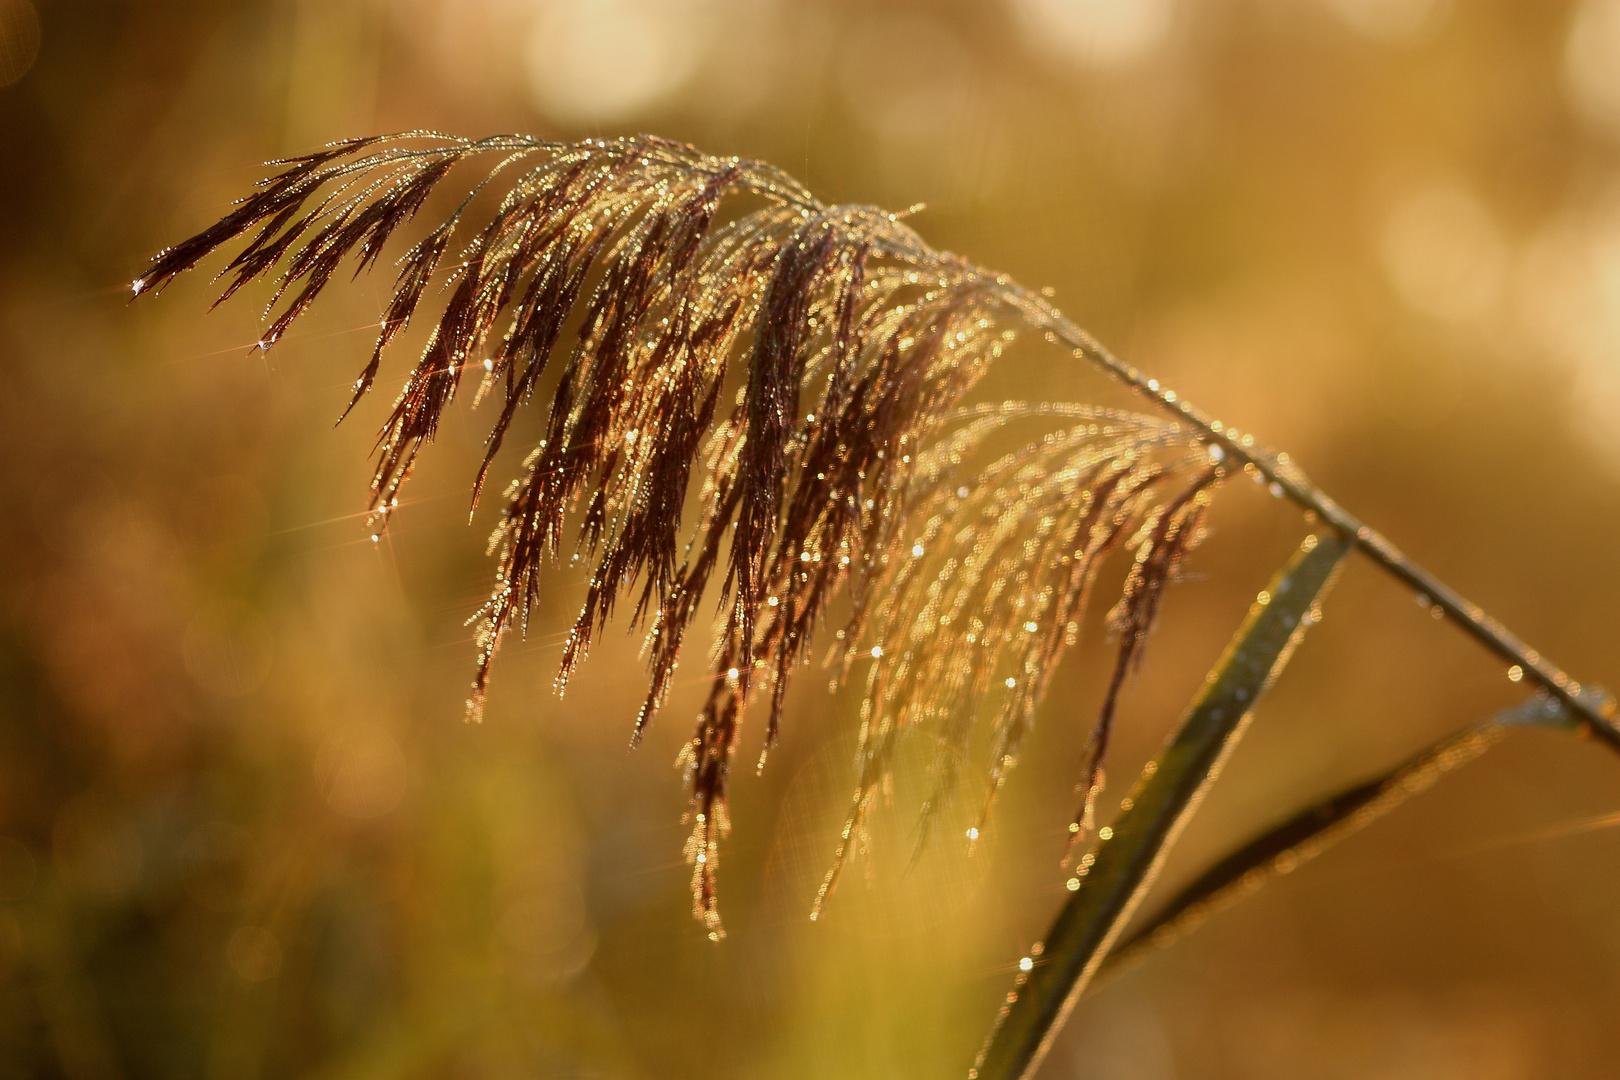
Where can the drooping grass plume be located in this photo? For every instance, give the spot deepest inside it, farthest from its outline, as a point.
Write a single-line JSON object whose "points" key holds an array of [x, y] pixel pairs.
{"points": [[811, 362]]}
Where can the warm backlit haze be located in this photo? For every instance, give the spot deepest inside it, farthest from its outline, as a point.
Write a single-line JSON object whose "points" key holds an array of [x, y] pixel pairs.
{"points": [[244, 832]]}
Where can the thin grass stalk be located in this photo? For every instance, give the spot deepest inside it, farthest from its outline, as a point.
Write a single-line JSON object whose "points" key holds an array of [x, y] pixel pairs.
{"points": [[1111, 880], [1286, 845], [1596, 714]]}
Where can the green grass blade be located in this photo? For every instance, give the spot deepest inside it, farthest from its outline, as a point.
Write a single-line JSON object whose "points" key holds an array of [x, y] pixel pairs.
{"points": [[1306, 834], [1119, 870]]}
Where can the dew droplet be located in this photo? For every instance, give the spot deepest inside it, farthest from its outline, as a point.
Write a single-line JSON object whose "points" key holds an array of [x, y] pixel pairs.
{"points": [[877, 652], [1026, 964], [973, 834], [1073, 884], [1276, 490], [916, 551], [1515, 673]]}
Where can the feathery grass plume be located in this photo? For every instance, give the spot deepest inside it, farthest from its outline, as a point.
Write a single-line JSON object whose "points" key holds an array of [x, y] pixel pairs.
{"points": [[839, 458]]}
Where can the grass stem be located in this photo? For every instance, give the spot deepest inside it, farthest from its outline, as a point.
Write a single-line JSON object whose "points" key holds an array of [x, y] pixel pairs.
{"points": [[1597, 715]]}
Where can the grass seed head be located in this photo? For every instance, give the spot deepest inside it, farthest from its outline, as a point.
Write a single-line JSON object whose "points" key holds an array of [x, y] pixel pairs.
{"points": [[811, 362]]}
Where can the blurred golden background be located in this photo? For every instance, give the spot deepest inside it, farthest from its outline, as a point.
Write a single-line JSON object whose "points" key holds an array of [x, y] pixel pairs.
{"points": [[243, 831]]}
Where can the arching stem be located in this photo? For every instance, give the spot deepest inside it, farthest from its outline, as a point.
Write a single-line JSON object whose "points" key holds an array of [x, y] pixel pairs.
{"points": [[1597, 719]]}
